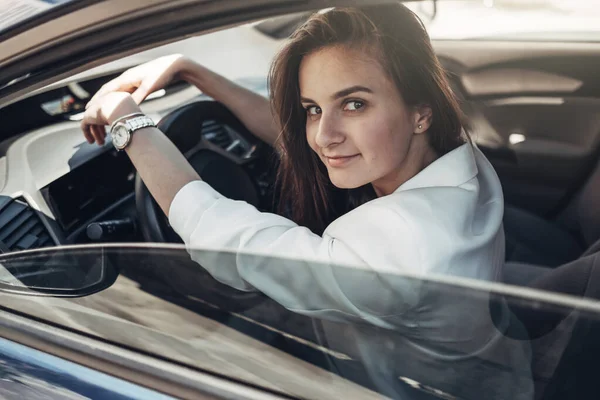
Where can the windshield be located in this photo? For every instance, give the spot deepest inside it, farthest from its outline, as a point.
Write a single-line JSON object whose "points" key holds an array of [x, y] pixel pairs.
{"points": [[15, 11], [551, 20]]}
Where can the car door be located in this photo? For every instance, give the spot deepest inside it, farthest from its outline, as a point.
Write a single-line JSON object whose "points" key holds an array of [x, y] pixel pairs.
{"points": [[28, 373], [533, 109], [526, 75]]}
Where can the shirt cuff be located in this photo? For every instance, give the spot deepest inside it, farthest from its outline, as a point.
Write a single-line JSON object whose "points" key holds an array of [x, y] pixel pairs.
{"points": [[188, 205]]}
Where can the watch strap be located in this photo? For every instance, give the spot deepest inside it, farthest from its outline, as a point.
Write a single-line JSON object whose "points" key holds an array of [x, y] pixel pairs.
{"points": [[138, 122], [124, 117], [131, 124]]}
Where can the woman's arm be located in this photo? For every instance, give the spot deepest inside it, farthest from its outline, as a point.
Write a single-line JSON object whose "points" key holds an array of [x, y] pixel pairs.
{"points": [[303, 271], [251, 108], [347, 274], [161, 165]]}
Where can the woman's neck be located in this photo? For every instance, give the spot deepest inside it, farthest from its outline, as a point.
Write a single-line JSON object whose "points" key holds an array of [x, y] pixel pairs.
{"points": [[419, 156]]}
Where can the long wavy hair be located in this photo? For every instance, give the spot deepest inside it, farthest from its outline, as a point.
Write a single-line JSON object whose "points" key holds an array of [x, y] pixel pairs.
{"points": [[397, 39]]}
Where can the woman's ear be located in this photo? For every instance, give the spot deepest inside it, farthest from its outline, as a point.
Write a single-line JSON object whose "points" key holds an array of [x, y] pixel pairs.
{"points": [[422, 118]]}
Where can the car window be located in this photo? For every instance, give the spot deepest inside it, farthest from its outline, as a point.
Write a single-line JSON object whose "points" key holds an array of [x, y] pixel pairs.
{"points": [[14, 12], [246, 60], [165, 305], [552, 20], [241, 52]]}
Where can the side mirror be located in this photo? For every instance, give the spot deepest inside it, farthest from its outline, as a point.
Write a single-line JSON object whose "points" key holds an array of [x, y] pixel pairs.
{"points": [[57, 272]]}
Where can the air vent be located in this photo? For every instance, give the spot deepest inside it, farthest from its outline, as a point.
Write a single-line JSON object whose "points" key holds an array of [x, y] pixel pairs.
{"points": [[20, 227], [216, 134]]}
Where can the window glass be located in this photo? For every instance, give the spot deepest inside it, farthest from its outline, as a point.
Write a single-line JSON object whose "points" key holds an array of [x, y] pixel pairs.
{"points": [[559, 20]]}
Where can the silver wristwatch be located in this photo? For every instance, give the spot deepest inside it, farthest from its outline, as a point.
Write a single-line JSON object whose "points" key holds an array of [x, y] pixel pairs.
{"points": [[122, 129]]}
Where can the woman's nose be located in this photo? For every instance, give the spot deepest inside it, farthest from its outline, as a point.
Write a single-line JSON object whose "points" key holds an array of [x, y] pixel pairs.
{"points": [[329, 132]]}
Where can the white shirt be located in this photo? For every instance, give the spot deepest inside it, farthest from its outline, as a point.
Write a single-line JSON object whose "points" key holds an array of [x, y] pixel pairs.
{"points": [[366, 268], [445, 220]]}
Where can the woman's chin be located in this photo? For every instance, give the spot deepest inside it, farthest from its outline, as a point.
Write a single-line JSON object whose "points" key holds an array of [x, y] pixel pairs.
{"points": [[346, 183]]}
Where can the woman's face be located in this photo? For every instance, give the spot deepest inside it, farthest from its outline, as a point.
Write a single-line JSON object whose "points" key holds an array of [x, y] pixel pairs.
{"points": [[358, 123]]}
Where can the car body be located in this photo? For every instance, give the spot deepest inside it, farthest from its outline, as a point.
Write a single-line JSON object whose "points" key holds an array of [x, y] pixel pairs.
{"points": [[94, 315]]}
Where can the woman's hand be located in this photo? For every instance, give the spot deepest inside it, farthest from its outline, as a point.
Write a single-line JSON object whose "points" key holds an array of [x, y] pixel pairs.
{"points": [[104, 110], [144, 79], [251, 108], [122, 95]]}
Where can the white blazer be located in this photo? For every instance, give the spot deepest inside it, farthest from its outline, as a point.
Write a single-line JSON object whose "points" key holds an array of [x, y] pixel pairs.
{"points": [[445, 220], [368, 269]]}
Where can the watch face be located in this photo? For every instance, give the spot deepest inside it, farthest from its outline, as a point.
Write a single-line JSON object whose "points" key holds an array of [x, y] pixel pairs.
{"points": [[120, 136]]}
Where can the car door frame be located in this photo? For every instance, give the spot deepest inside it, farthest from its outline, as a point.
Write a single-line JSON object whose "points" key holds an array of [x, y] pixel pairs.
{"points": [[82, 38], [147, 371]]}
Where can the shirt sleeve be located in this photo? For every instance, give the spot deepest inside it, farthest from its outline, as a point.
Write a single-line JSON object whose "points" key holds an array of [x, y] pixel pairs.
{"points": [[332, 276]]}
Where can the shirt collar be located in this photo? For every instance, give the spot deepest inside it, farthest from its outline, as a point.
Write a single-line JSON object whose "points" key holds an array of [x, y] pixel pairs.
{"points": [[451, 169]]}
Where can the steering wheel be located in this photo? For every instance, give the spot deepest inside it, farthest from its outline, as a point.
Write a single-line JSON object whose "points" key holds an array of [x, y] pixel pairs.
{"points": [[215, 166], [183, 127]]}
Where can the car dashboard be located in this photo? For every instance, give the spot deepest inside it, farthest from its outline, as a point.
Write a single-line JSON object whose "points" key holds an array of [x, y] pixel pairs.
{"points": [[56, 189]]}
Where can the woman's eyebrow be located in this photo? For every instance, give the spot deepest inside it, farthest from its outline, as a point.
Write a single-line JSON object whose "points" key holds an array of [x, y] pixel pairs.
{"points": [[350, 90], [341, 93], [306, 100]]}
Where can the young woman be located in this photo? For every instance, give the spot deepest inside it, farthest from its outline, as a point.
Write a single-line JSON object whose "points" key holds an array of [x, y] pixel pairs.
{"points": [[376, 169], [375, 165]]}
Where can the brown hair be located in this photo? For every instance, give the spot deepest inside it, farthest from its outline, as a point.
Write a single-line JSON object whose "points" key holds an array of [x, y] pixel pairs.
{"points": [[398, 39]]}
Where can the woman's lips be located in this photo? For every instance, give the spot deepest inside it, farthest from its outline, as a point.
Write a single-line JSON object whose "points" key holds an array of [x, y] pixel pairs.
{"points": [[340, 161]]}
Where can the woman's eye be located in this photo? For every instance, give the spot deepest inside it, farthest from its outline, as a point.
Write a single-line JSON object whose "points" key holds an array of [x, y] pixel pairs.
{"points": [[313, 110], [353, 105]]}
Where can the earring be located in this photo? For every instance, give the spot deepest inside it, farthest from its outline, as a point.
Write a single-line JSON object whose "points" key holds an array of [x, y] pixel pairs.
{"points": [[420, 126]]}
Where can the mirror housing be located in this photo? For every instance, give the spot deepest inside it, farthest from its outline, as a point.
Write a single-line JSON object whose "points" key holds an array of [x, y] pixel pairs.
{"points": [[56, 272]]}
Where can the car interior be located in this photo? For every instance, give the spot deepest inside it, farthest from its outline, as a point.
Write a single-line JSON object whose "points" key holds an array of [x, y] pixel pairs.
{"points": [[532, 108]]}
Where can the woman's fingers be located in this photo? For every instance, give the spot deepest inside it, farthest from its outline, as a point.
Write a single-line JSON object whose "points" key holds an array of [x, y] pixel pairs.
{"points": [[141, 93], [99, 133], [87, 132], [147, 86], [92, 131], [101, 112], [120, 84], [94, 134]]}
